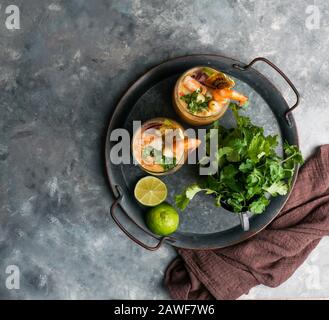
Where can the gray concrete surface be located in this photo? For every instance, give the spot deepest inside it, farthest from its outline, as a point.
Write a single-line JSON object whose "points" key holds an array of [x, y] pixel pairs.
{"points": [[60, 76]]}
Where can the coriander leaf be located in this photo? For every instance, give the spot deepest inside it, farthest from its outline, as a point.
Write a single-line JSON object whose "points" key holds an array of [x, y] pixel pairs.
{"points": [[238, 145], [231, 155], [253, 191], [292, 157], [191, 191], [243, 122], [228, 172], [240, 120], [276, 188], [259, 206], [235, 204], [227, 177], [181, 201], [254, 182], [222, 152], [275, 169], [272, 141], [258, 148], [238, 196], [292, 154], [255, 178], [246, 166], [211, 183]]}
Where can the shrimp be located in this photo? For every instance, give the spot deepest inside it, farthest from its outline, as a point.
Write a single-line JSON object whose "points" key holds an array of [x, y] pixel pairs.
{"points": [[217, 106], [185, 146], [222, 94], [191, 144], [193, 85]]}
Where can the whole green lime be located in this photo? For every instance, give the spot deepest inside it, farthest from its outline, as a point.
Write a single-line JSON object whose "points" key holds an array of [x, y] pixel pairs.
{"points": [[162, 219]]}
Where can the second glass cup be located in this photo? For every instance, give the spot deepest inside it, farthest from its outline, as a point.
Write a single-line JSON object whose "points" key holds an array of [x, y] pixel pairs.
{"points": [[160, 147]]}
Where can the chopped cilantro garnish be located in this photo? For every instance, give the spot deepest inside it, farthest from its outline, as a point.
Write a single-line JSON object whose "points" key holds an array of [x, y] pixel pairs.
{"points": [[168, 163], [193, 104]]}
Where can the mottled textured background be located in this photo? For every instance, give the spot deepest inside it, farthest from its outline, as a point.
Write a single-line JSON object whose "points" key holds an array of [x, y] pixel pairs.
{"points": [[60, 76]]}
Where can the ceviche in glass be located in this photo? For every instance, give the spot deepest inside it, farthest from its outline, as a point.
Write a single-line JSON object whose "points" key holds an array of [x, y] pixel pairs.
{"points": [[202, 95], [160, 147]]}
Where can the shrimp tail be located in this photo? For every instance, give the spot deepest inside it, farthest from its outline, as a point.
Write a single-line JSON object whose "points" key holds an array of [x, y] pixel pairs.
{"points": [[220, 94]]}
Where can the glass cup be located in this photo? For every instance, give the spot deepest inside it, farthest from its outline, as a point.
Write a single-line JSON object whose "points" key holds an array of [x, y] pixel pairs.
{"points": [[206, 116], [158, 146]]}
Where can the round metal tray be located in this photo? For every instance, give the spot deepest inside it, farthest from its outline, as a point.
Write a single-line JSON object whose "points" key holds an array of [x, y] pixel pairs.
{"points": [[203, 226]]}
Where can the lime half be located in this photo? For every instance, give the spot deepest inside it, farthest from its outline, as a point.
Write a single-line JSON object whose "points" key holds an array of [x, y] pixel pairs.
{"points": [[150, 191], [163, 219]]}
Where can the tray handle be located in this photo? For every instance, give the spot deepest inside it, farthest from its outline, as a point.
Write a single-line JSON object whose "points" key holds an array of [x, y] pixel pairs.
{"points": [[284, 76], [244, 221], [117, 203]]}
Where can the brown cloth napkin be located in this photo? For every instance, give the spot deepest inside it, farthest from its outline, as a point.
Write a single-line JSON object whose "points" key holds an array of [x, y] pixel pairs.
{"points": [[268, 258]]}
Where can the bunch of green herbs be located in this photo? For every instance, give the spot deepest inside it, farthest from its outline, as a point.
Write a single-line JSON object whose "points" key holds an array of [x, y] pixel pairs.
{"points": [[249, 170]]}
